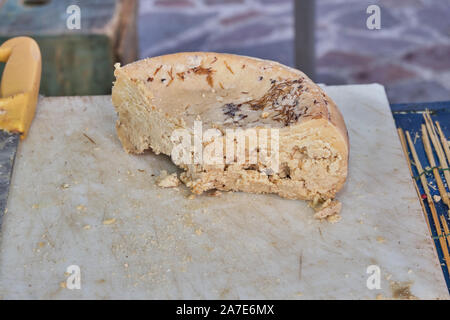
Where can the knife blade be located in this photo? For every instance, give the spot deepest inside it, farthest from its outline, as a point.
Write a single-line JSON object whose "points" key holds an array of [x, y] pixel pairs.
{"points": [[8, 148], [19, 89]]}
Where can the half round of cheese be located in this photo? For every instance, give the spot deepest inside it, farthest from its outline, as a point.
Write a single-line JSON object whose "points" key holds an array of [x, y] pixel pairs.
{"points": [[228, 93]]}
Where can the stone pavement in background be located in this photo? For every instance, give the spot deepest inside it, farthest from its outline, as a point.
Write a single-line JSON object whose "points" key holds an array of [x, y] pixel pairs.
{"points": [[410, 55]]}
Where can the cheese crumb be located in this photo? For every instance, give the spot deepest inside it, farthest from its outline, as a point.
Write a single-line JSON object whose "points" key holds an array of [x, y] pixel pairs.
{"points": [[215, 193], [109, 221], [381, 239], [334, 218], [327, 210], [436, 198], [168, 181]]}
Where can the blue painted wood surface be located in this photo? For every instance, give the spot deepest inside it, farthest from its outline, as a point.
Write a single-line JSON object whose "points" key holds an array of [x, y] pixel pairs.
{"points": [[409, 116]]}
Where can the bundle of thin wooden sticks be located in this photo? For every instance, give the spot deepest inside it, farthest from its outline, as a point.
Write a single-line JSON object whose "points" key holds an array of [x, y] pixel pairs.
{"points": [[434, 133]]}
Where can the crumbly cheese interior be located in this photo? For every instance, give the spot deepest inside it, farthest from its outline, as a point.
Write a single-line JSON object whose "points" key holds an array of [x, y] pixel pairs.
{"points": [[312, 151]]}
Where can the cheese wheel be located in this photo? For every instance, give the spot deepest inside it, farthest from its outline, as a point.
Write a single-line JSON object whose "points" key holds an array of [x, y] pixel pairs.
{"points": [[294, 123]]}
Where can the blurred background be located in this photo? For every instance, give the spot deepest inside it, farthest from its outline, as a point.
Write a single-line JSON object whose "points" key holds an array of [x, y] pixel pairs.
{"points": [[409, 55], [327, 39]]}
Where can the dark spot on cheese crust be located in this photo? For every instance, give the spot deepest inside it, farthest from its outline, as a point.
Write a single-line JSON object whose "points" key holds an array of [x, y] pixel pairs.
{"points": [[230, 109], [228, 67], [200, 71], [207, 71], [171, 77], [283, 99], [157, 70], [180, 75]]}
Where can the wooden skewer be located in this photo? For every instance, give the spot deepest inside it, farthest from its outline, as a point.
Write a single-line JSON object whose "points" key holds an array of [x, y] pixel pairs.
{"points": [[434, 214], [437, 147], [430, 156], [408, 161], [433, 134], [446, 229], [418, 165], [437, 177], [444, 143]]}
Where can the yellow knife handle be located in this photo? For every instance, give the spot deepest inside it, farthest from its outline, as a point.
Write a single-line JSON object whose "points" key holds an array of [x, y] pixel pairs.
{"points": [[19, 88]]}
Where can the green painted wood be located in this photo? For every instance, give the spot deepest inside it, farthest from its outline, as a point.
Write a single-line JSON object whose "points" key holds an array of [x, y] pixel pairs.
{"points": [[75, 62]]}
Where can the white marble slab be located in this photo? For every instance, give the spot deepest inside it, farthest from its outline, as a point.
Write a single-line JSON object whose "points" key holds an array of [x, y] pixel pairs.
{"points": [[243, 246]]}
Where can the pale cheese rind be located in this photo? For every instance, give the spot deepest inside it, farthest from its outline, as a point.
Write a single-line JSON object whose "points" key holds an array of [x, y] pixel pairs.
{"points": [[154, 97]]}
